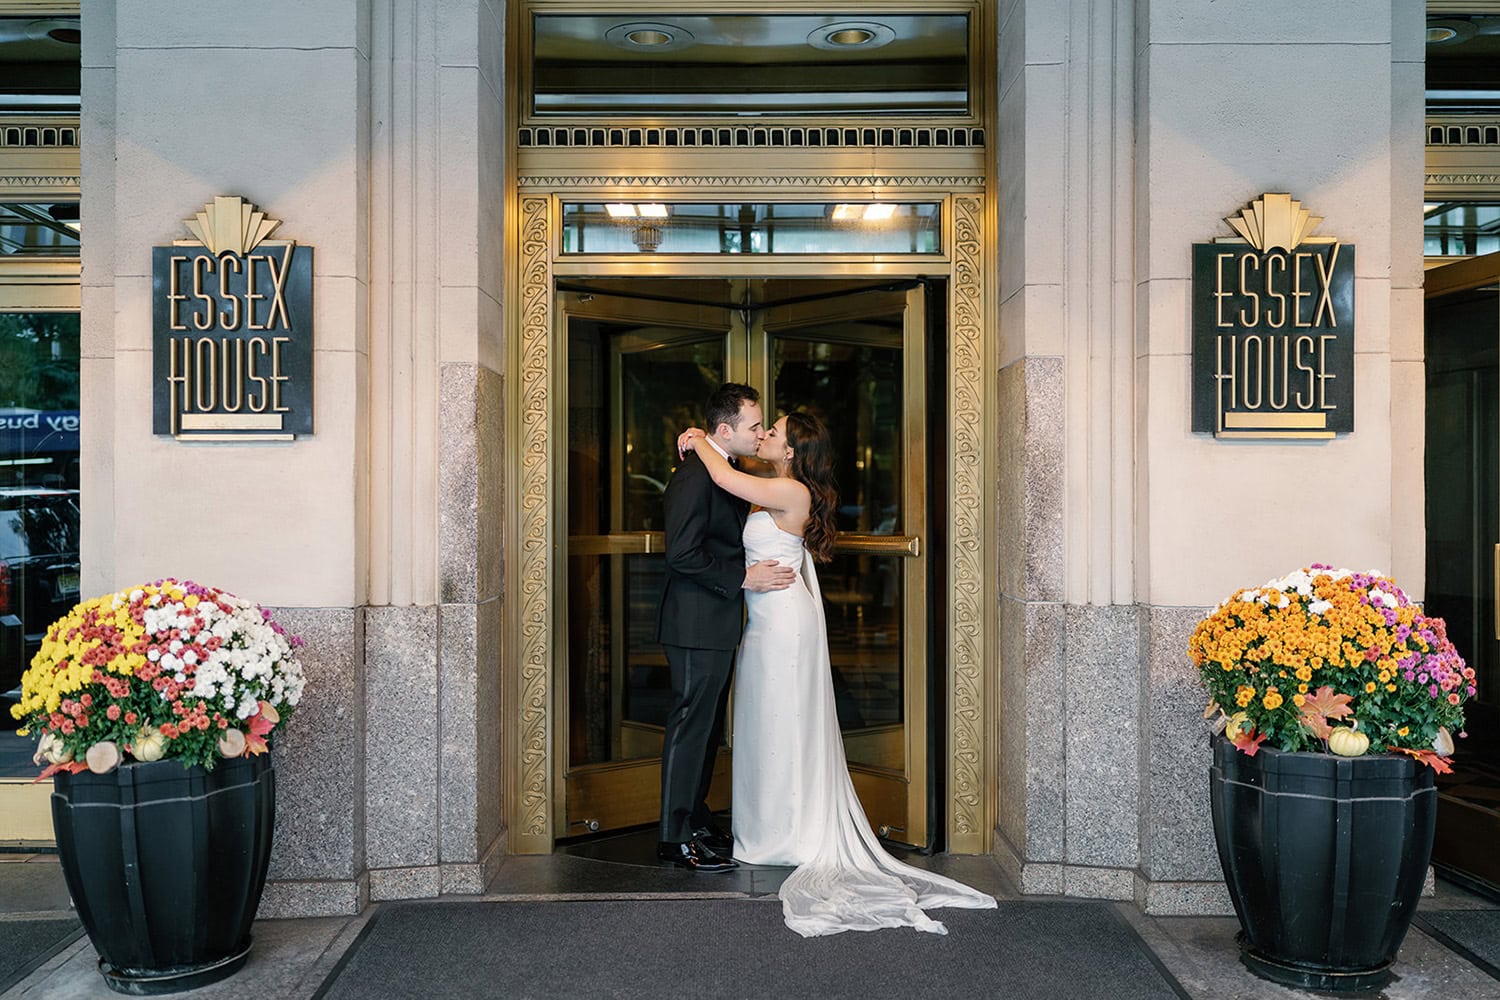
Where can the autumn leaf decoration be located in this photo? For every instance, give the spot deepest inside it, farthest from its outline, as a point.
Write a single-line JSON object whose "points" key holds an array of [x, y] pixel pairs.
{"points": [[1322, 705], [1429, 757], [1248, 741], [261, 723], [71, 766]]}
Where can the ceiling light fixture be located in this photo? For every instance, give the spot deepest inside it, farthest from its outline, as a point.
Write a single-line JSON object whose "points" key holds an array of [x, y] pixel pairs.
{"points": [[871, 212], [1450, 31], [851, 36], [652, 36], [63, 30], [620, 211], [847, 35], [649, 36]]}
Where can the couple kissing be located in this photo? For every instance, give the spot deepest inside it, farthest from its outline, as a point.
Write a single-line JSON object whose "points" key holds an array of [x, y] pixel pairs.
{"points": [[794, 804]]}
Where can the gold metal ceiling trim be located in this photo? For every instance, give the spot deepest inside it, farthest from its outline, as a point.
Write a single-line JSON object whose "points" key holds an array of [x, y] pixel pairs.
{"points": [[27, 133], [1491, 178], [49, 181], [531, 827], [968, 456], [1463, 131], [697, 138], [944, 182]]}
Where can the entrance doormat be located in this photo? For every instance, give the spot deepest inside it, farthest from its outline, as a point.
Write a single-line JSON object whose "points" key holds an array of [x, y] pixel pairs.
{"points": [[26, 944], [1474, 934], [740, 948]]}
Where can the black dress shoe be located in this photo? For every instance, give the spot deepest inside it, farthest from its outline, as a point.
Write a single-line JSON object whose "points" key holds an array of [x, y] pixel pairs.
{"points": [[694, 856], [715, 838]]}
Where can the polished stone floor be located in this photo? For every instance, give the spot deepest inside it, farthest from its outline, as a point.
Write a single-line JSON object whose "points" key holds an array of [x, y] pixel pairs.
{"points": [[292, 958]]}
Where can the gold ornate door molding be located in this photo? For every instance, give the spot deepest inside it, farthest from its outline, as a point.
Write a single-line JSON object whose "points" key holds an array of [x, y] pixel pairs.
{"points": [[534, 413]]}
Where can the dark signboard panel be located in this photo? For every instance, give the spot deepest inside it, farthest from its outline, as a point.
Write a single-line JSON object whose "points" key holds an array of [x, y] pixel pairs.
{"points": [[1273, 340], [232, 342]]}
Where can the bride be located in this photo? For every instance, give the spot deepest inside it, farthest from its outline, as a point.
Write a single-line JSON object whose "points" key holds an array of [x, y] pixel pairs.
{"points": [[794, 803]]}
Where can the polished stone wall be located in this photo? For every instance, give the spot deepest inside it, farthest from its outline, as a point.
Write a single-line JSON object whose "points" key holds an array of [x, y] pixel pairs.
{"points": [[318, 857], [1126, 132]]}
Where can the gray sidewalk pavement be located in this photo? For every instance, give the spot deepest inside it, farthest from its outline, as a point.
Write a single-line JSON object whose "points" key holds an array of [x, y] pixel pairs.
{"points": [[293, 958]]}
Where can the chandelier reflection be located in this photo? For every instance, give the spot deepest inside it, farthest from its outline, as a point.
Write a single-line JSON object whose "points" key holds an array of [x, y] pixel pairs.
{"points": [[645, 234]]}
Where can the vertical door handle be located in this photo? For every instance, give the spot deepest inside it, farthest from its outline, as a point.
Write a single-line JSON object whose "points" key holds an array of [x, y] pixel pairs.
{"points": [[1495, 561]]}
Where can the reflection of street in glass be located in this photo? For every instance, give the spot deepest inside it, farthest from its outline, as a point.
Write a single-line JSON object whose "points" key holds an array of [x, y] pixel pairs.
{"points": [[38, 575]]}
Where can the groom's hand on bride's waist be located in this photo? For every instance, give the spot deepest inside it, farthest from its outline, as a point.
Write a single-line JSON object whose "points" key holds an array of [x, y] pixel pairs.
{"points": [[768, 574]]}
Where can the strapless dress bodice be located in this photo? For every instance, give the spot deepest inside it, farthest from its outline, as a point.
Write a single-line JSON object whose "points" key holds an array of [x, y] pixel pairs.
{"points": [[764, 540]]}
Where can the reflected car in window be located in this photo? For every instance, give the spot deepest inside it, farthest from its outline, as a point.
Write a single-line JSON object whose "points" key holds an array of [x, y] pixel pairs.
{"points": [[38, 573]]}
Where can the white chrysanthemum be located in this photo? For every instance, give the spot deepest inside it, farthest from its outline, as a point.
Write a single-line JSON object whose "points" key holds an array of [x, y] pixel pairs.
{"points": [[1319, 607]]}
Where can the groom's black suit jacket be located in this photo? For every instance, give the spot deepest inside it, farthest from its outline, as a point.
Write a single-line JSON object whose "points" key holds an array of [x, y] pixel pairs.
{"points": [[703, 604]]}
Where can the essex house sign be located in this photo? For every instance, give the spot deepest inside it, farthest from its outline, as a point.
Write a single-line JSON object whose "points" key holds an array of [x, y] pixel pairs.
{"points": [[232, 329], [1273, 327]]}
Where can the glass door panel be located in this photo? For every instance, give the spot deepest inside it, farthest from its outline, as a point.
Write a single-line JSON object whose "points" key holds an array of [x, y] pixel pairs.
{"points": [[1463, 544], [635, 379], [855, 361]]}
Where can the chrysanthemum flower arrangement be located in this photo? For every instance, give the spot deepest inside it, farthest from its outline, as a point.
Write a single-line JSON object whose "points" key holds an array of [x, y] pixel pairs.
{"points": [[165, 669], [1330, 659]]}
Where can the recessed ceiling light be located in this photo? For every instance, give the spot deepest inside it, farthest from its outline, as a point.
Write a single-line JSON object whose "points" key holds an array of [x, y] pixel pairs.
{"points": [[64, 30], [649, 36], [1448, 31], [851, 36], [653, 36], [847, 35]]}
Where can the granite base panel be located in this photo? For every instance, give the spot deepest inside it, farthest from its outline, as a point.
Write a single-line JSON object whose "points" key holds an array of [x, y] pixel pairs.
{"points": [[423, 882], [460, 879], [284, 899], [1182, 899], [1087, 882]]}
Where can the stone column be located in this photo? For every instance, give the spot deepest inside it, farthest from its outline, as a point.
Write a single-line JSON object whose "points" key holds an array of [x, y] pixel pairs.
{"points": [[437, 174], [1127, 130], [268, 102]]}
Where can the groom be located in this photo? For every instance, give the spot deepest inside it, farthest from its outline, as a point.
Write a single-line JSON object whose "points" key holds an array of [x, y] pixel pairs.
{"points": [[699, 624]]}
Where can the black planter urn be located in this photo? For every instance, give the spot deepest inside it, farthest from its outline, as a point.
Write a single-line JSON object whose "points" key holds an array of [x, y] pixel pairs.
{"points": [[165, 865], [1324, 857]]}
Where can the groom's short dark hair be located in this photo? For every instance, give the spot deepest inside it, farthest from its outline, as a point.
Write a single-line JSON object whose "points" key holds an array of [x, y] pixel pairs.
{"points": [[723, 406]]}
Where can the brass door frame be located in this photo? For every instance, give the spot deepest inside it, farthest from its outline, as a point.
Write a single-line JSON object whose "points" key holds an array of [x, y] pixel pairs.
{"points": [[964, 179], [537, 547]]}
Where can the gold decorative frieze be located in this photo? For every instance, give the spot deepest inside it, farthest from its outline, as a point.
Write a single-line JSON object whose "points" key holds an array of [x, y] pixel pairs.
{"points": [[771, 136], [945, 182], [967, 781], [18, 132], [1479, 130], [532, 829]]}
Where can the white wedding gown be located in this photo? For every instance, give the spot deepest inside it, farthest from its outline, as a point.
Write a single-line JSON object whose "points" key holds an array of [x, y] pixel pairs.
{"points": [[794, 803]]}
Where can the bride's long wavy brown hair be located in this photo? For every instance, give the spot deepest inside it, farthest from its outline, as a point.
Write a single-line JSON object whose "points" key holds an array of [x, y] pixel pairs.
{"points": [[812, 466]]}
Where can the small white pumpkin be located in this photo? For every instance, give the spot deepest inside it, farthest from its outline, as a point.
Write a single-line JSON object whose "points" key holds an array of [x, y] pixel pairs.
{"points": [[50, 748], [149, 745], [1348, 742]]}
